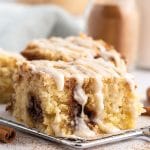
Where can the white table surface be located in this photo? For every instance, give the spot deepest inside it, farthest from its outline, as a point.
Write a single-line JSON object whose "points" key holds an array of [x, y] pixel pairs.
{"points": [[26, 142]]}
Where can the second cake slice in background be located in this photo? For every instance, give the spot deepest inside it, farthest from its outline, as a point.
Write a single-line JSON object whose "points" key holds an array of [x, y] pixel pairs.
{"points": [[8, 65], [71, 49]]}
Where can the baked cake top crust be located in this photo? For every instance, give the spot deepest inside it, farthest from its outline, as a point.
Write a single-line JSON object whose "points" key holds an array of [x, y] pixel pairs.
{"points": [[9, 59], [72, 48]]}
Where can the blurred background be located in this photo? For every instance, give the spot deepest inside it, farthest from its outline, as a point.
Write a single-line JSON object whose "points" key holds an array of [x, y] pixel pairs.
{"points": [[122, 23]]}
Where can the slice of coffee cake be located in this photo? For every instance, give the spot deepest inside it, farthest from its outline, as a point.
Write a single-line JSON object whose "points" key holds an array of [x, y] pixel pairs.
{"points": [[84, 98], [7, 67]]}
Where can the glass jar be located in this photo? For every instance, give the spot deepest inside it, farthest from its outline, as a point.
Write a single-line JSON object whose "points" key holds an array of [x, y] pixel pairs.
{"points": [[144, 48], [116, 22]]}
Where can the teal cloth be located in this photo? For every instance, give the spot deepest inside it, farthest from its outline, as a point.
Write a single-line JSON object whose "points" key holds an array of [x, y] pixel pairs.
{"points": [[21, 23]]}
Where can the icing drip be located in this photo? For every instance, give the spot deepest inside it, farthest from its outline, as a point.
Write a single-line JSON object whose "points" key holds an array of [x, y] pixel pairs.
{"points": [[56, 74], [130, 80], [56, 124], [106, 55], [108, 128], [82, 129], [98, 87], [58, 77], [79, 94], [99, 99], [98, 92]]}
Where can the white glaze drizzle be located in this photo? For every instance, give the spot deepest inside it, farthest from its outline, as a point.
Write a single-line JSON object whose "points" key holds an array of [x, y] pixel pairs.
{"points": [[98, 86], [73, 47], [56, 123], [108, 54], [130, 79], [66, 47], [82, 130], [47, 45], [49, 69], [80, 95], [108, 128], [99, 99]]}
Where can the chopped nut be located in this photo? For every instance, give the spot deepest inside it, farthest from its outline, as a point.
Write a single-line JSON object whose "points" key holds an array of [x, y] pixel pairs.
{"points": [[147, 109], [148, 94]]}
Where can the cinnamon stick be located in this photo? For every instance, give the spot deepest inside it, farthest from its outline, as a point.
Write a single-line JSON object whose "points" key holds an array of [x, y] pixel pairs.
{"points": [[7, 134], [148, 94]]}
